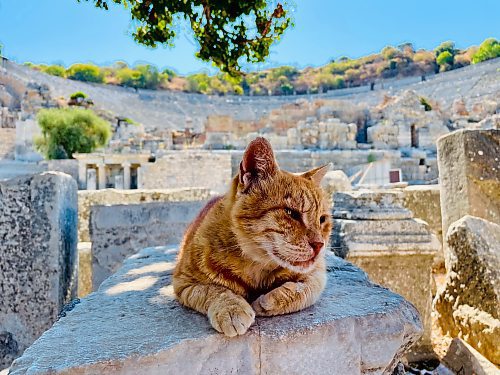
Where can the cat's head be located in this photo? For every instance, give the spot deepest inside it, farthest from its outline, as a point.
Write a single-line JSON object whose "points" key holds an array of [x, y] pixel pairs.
{"points": [[281, 219]]}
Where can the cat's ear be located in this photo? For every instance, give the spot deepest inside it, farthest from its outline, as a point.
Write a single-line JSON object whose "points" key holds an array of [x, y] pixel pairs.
{"points": [[317, 174], [258, 162]]}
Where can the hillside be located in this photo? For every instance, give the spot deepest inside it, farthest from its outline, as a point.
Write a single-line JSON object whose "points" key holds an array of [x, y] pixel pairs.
{"points": [[391, 62], [163, 109]]}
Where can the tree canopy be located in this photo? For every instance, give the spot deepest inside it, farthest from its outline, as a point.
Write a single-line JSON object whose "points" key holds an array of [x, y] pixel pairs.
{"points": [[228, 32]]}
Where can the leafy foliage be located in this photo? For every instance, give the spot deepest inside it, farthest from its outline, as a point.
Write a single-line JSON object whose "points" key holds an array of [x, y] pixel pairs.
{"points": [[227, 32], [404, 61], [66, 131], [445, 60], [78, 94], [489, 49], [85, 72]]}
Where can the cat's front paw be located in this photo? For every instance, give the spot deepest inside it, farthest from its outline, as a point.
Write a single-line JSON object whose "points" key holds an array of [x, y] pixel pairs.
{"points": [[278, 301], [232, 316]]}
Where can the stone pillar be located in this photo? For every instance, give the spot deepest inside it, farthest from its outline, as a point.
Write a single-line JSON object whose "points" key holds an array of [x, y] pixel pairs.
{"points": [[469, 174], [119, 182], [91, 179], [373, 230], [102, 176], [139, 177], [38, 258], [82, 175], [126, 175]]}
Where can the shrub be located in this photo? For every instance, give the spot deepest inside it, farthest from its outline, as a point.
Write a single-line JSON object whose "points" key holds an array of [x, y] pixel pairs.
{"points": [[489, 49], [425, 103], [448, 46], [86, 73], [78, 95], [55, 70], [371, 158], [389, 52], [66, 131]]}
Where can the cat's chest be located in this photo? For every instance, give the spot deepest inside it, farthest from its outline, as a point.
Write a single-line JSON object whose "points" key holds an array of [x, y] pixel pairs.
{"points": [[262, 281]]}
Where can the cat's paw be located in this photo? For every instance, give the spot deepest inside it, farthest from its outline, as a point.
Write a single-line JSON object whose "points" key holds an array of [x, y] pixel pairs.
{"points": [[231, 317], [275, 302]]}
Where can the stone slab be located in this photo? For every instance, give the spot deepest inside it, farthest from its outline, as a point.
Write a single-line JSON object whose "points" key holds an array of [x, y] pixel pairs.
{"points": [[118, 231], [133, 324], [89, 198], [38, 259]]}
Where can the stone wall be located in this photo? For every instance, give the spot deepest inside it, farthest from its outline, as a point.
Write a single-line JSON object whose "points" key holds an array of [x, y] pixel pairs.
{"points": [[37, 257], [134, 325], [301, 161], [89, 198], [118, 231], [179, 169]]}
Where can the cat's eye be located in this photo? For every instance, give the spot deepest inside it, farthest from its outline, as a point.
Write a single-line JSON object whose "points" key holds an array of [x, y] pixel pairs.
{"points": [[293, 214], [322, 219]]}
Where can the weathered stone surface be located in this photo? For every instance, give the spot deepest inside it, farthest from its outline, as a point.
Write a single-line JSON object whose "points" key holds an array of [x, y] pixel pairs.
{"points": [[335, 181], [134, 325], [424, 202], [394, 249], [464, 359], [370, 205], [180, 169], [118, 231], [469, 304], [469, 169], [84, 268], [37, 257], [89, 198]]}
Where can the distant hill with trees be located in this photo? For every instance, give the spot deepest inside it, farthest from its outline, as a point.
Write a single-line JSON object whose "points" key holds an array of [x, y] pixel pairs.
{"points": [[391, 62]]}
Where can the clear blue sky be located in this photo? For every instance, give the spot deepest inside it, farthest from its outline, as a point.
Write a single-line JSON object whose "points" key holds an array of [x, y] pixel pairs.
{"points": [[64, 31]]}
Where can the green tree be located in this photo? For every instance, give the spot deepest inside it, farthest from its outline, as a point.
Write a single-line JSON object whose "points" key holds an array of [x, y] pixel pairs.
{"points": [[226, 31], [66, 131], [448, 46], [445, 60], [489, 49], [85, 72]]}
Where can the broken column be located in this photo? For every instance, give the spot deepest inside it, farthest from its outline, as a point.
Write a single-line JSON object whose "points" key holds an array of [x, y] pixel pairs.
{"points": [[38, 260], [373, 230]]}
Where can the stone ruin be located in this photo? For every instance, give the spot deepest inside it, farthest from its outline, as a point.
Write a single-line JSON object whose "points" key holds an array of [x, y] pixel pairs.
{"points": [[375, 229]]}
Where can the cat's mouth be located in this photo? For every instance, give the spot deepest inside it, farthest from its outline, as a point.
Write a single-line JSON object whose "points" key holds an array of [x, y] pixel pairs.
{"points": [[296, 263]]}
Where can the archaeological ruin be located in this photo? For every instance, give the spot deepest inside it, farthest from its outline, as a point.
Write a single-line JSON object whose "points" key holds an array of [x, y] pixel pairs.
{"points": [[413, 260]]}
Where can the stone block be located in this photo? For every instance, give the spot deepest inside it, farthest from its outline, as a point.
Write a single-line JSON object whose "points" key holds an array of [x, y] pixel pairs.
{"points": [[469, 303], [118, 231], [373, 230], [461, 358], [424, 201], [38, 259], [87, 199], [469, 171], [133, 324]]}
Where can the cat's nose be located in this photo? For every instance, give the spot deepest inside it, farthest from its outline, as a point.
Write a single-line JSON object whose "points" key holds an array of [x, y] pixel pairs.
{"points": [[316, 246]]}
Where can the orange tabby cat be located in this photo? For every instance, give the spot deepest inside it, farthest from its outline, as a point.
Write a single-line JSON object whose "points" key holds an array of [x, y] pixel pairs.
{"points": [[258, 250]]}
